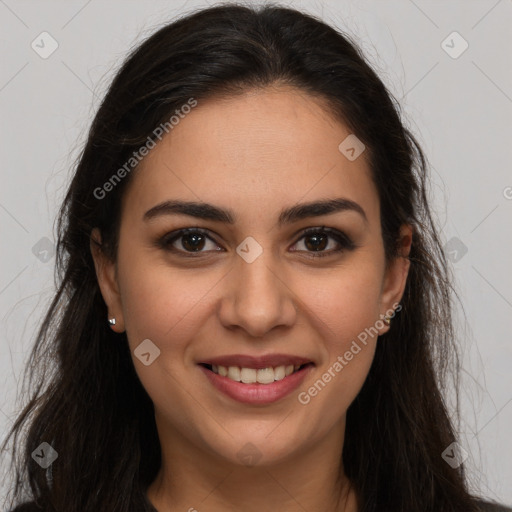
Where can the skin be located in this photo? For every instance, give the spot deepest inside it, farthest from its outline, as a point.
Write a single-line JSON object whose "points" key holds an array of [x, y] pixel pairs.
{"points": [[255, 154]]}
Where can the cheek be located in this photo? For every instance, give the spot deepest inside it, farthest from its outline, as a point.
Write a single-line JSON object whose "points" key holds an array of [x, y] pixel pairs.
{"points": [[161, 302], [345, 301], [344, 308], [168, 307]]}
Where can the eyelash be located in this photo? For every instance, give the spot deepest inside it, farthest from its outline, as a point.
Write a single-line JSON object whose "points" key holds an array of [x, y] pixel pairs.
{"points": [[343, 240]]}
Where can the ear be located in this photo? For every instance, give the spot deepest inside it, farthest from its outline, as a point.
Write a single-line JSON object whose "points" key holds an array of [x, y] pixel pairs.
{"points": [[395, 278], [107, 280]]}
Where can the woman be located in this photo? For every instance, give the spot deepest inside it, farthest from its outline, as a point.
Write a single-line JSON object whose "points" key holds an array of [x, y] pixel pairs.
{"points": [[254, 307]]}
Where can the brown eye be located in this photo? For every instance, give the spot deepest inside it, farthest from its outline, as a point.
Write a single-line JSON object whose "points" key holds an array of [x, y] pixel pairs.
{"points": [[193, 241], [188, 241], [317, 240]]}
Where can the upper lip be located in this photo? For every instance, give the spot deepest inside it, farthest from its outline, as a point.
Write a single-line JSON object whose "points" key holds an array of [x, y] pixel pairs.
{"points": [[257, 362]]}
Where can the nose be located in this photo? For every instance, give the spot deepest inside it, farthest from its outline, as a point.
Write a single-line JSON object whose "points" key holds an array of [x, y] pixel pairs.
{"points": [[257, 298]]}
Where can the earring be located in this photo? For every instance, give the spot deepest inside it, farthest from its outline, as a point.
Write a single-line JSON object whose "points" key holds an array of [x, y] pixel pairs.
{"points": [[387, 320], [112, 321]]}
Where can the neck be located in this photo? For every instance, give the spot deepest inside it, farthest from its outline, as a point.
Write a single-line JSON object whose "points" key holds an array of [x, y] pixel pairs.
{"points": [[193, 480]]}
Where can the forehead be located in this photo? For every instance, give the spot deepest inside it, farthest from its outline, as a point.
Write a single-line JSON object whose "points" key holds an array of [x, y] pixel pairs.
{"points": [[254, 153]]}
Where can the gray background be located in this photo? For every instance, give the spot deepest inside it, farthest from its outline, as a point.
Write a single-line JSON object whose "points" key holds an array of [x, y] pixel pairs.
{"points": [[458, 107]]}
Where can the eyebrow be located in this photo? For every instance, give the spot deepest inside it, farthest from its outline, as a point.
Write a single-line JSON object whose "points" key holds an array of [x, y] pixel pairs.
{"points": [[287, 216]]}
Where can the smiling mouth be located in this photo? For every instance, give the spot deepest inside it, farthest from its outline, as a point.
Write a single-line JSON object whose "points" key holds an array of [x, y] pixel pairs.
{"points": [[253, 375]]}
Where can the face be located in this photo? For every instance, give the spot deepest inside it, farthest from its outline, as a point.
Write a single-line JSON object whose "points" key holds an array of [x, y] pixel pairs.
{"points": [[262, 273]]}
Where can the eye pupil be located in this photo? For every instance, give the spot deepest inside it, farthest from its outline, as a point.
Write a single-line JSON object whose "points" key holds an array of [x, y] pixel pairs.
{"points": [[196, 241], [319, 242]]}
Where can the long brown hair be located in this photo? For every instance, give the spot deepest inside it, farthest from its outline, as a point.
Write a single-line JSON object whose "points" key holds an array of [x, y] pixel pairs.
{"points": [[87, 400]]}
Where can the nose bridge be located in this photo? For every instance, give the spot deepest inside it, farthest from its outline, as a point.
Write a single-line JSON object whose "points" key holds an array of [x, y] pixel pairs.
{"points": [[258, 299]]}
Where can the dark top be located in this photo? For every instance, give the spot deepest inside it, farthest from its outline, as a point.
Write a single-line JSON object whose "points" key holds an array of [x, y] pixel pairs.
{"points": [[485, 506]]}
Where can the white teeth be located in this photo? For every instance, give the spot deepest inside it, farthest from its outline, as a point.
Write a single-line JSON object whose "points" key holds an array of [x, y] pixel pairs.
{"points": [[248, 375], [279, 373], [233, 373], [265, 375], [251, 375]]}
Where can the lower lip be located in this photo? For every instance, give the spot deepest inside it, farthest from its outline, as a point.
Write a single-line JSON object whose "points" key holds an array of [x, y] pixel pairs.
{"points": [[261, 394]]}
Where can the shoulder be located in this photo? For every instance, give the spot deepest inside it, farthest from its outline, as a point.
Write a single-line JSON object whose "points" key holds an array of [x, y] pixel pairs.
{"points": [[487, 506], [28, 507]]}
